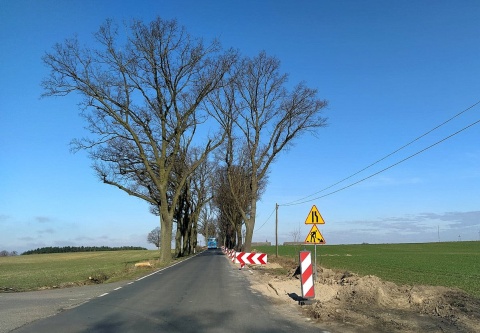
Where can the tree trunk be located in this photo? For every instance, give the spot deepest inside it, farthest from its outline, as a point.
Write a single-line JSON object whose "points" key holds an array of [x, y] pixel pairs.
{"points": [[178, 240], [238, 230], [249, 225], [250, 222], [193, 236], [187, 236], [166, 226]]}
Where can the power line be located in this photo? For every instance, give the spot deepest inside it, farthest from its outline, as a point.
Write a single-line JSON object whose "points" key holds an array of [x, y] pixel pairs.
{"points": [[385, 169], [266, 220], [302, 200]]}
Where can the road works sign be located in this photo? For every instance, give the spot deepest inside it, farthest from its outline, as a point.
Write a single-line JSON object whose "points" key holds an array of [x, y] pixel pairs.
{"points": [[314, 217], [314, 236]]}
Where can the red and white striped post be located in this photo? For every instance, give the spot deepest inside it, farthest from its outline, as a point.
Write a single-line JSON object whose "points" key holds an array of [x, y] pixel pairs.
{"points": [[308, 290]]}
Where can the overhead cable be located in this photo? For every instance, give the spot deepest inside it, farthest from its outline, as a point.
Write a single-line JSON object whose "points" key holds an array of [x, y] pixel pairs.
{"points": [[303, 200], [266, 220]]}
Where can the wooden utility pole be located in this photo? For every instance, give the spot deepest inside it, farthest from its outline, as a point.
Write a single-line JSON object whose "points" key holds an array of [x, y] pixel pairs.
{"points": [[276, 230]]}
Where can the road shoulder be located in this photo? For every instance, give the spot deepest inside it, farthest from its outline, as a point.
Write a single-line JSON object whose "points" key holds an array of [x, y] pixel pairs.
{"points": [[19, 309]]}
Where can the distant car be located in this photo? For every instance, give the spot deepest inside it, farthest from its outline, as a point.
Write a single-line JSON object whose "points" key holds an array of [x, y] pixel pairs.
{"points": [[212, 243]]}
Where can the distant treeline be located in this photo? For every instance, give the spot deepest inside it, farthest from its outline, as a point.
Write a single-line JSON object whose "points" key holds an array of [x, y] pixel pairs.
{"points": [[66, 249]]}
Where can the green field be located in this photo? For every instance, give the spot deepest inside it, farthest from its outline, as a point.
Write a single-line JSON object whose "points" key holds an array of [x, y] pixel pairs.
{"points": [[453, 264], [30, 272]]}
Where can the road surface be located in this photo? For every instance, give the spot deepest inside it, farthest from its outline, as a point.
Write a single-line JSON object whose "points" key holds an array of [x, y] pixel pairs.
{"points": [[205, 293]]}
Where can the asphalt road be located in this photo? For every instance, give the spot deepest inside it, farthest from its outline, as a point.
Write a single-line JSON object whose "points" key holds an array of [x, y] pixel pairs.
{"points": [[205, 293]]}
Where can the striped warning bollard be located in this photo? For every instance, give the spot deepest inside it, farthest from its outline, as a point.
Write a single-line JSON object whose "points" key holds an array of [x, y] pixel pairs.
{"points": [[308, 290]]}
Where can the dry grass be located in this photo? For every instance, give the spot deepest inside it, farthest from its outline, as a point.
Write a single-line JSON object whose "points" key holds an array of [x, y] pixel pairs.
{"points": [[41, 271]]}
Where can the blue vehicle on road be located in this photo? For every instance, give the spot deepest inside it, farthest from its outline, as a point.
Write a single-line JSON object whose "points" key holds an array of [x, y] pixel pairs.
{"points": [[212, 243]]}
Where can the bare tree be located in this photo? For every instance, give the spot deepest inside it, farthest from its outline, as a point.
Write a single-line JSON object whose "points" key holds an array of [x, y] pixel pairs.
{"points": [[154, 237], [262, 118], [143, 106], [295, 233], [228, 196], [196, 194], [208, 222], [202, 194], [228, 216]]}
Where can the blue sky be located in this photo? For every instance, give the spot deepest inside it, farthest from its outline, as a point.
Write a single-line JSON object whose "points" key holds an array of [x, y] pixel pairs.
{"points": [[391, 71]]}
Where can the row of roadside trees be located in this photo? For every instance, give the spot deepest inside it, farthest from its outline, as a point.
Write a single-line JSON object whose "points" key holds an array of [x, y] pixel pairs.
{"points": [[5, 253], [187, 126]]}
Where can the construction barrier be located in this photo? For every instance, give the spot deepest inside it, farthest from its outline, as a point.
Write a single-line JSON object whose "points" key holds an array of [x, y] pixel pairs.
{"points": [[308, 290], [253, 258], [242, 258]]}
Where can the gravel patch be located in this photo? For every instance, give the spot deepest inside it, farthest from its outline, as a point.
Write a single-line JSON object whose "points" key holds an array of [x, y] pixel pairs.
{"points": [[19, 309]]}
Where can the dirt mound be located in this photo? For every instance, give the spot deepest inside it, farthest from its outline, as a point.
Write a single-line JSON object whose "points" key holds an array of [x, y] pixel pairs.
{"points": [[346, 302]]}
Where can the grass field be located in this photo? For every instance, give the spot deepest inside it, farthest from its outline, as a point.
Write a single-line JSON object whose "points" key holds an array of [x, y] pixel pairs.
{"points": [[453, 264], [38, 271]]}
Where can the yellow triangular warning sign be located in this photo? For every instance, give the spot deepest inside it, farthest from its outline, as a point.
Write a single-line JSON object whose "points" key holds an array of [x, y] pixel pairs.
{"points": [[314, 217], [314, 236]]}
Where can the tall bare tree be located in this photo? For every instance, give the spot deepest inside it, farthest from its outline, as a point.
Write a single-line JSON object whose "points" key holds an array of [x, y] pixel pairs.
{"points": [[208, 222], [202, 194], [143, 94], [154, 237], [228, 196], [196, 194], [264, 118], [228, 215]]}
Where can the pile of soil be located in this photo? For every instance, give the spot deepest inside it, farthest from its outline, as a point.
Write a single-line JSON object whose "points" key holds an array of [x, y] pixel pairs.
{"points": [[346, 302]]}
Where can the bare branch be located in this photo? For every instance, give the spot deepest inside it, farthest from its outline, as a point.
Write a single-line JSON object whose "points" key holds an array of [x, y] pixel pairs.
{"points": [[143, 104]]}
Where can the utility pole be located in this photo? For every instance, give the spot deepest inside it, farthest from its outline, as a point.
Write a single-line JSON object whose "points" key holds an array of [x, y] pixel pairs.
{"points": [[276, 230]]}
